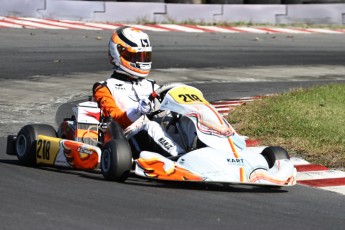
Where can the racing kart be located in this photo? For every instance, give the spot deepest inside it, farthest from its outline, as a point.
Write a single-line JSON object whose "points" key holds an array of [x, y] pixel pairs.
{"points": [[215, 152]]}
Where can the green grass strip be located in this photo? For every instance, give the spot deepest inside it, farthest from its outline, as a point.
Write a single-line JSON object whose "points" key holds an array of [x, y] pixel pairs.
{"points": [[309, 123]]}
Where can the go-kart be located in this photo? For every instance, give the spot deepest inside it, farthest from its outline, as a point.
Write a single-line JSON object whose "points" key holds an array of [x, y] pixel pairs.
{"points": [[215, 152]]}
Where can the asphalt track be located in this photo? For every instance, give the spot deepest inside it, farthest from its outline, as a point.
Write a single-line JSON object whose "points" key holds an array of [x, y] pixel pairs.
{"points": [[67, 62]]}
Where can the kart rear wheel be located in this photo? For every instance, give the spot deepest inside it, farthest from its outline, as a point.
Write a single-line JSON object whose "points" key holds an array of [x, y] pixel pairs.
{"points": [[26, 142], [273, 153], [116, 160]]}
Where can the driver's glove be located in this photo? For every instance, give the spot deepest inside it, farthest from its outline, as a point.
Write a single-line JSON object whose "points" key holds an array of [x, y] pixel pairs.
{"points": [[144, 106]]}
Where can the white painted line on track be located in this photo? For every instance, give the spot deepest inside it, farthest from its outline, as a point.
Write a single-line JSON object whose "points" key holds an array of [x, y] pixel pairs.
{"points": [[299, 161], [180, 28], [218, 29], [102, 25], [324, 31], [229, 102], [76, 25], [38, 23], [63, 23], [33, 24], [227, 105], [10, 25], [148, 27], [251, 30], [316, 175], [290, 31], [337, 189]]}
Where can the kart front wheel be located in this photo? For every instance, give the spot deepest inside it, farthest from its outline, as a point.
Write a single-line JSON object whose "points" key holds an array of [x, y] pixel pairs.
{"points": [[26, 142], [273, 153], [116, 160]]}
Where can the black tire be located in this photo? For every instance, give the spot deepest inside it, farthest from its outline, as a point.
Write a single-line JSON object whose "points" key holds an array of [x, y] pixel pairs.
{"points": [[116, 160], [116, 131], [26, 142], [273, 153]]}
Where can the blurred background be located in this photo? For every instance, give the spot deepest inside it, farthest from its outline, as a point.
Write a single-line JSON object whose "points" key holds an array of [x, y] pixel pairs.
{"points": [[233, 1], [210, 12]]}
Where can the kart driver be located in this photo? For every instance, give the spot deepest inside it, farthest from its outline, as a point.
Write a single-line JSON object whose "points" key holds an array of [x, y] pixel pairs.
{"points": [[124, 96]]}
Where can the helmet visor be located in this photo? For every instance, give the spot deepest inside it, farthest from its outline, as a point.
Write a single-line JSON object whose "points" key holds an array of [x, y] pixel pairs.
{"points": [[144, 56]]}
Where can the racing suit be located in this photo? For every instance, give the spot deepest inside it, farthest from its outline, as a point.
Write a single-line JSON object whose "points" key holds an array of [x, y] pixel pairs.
{"points": [[119, 96]]}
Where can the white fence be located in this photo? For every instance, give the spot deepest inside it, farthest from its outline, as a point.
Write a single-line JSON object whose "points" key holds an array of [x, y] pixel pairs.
{"points": [[145, 12]]}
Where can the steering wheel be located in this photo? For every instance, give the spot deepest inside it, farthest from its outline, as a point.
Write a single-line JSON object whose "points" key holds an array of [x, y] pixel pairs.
{"points": [[161, 91], [159, 94]]}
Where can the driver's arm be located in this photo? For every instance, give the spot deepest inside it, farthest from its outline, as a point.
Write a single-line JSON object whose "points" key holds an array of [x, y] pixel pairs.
{"points": [[107, 104]]}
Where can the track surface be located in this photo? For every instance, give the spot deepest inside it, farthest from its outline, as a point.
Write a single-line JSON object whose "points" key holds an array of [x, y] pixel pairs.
{"points": [[49, 52], [45, 198]]}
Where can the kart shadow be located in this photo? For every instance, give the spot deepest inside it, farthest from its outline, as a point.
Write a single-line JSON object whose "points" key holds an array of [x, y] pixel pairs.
{"points": [[134, 180], [89, 174], [202, 186], [11, 162]]}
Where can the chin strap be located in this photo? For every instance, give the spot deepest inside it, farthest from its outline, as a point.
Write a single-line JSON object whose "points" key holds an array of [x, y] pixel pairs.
{"points": [[129, 76], [118, 70]]}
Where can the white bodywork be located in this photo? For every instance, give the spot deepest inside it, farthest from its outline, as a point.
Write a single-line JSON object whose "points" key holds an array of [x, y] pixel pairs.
{"points": [[225, 159]]}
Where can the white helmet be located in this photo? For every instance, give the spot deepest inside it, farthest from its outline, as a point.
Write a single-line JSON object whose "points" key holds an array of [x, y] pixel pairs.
{"points": [[130, 51]]}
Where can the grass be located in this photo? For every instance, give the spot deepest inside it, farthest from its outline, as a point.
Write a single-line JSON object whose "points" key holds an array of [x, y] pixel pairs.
{"points": [[309, 123]]}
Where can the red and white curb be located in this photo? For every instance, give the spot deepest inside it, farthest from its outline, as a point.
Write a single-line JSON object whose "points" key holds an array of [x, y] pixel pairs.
{"points": [[39, 23], [319, 176], [225, 106], [308, 174]]}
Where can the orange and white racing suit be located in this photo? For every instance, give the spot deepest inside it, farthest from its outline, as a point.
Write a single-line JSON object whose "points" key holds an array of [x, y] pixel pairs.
{"points": [[118, 97]]}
